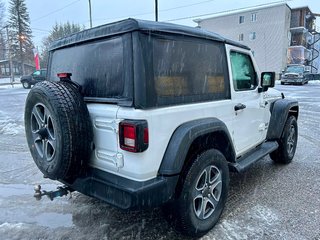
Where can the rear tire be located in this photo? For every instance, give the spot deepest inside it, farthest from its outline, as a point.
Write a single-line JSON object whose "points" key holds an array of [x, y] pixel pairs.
{"points": [[58, 130], [203, 195], [287, 143]]}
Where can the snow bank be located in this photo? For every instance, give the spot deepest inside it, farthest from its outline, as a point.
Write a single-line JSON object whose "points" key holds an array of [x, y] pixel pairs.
{"points": [[312, 82], [9, 127], [8, 86], [12, 226]]}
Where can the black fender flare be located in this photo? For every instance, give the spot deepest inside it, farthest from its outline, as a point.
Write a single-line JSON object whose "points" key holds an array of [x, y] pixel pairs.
{"points": [[183, 137], [280, 111]]}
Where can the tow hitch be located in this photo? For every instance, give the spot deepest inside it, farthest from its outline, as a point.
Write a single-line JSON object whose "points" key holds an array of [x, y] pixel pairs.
{"points": [[61, 191]]}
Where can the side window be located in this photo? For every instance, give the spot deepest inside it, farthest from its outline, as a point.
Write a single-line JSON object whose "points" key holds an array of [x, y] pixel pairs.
{"points": [[189, 71], [243, 73]]}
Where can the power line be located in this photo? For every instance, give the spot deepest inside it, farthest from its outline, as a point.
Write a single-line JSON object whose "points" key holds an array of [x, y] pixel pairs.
{"points": [[184, 6], [227, 11], [40, 30], [163, 10], [57, 10]]}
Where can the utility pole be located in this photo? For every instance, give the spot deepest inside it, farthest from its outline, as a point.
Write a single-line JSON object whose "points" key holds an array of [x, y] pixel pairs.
{"points": [[10, 57], [156, 10], [90, 16]]}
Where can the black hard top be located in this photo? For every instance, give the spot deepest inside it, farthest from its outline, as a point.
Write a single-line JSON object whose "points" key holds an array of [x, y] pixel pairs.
{"points": [[130, 25]]}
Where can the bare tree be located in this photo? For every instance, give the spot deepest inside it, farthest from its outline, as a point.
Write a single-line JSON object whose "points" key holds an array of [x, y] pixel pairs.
{"points": [[58, 31]]}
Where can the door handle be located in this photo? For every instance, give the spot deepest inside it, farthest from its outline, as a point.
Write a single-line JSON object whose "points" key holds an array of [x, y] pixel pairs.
{"points": [[239, 106]]}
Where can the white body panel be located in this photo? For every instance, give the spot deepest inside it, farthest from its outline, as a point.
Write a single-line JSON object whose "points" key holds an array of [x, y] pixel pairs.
{"points": [[162, 122], [250, 124]]}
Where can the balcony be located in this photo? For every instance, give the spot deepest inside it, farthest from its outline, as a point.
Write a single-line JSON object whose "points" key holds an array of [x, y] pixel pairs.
{"points": [[302, 17], [298, 55], [300, 36]]}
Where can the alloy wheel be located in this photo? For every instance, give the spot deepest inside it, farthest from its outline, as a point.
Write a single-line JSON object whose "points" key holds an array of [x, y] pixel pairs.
{"points": [[207, 192], [43, 132]]}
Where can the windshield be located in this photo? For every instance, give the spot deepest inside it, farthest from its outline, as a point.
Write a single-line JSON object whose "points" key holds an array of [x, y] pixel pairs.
{"points": [[295, 69], [36, 73]]}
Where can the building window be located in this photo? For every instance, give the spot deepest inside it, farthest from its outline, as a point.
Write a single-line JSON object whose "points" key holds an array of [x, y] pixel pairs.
{"points": [[253, 17], [252, 36], [241, 37], [241, 19]]}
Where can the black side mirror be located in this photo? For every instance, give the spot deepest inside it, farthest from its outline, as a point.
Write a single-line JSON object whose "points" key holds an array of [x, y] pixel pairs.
{"points": [[267, 80]]}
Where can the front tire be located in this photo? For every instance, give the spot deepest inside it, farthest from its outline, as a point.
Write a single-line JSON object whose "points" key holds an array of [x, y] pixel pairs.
{"points": [[203, 196], [287, 143]]}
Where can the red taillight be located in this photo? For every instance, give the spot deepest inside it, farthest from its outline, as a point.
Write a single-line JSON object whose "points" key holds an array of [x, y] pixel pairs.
{"points": [[146, 135], [133, 135], [129, 135], [64, 75]]}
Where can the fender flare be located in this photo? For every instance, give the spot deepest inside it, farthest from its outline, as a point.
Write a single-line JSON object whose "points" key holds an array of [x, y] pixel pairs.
{"points": [[184, 136], [280, 111]]}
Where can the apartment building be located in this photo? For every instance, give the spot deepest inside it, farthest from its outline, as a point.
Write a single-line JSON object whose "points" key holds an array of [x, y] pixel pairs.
{"points": [[276, 34], [305, 39]]}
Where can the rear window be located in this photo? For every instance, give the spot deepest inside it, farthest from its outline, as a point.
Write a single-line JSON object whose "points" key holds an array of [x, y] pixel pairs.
{"points": [[100, 67], [187, 70]]}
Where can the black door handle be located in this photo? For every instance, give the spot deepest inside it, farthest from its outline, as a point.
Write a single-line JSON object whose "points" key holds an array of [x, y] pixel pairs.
{"points": [[239, 106]]}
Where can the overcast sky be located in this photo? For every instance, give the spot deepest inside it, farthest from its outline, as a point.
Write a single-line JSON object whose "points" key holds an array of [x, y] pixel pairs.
{"points": [[45, 13]]}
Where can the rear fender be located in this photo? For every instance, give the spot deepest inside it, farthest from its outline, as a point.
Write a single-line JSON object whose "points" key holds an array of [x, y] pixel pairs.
{"points": [[183, 137]]}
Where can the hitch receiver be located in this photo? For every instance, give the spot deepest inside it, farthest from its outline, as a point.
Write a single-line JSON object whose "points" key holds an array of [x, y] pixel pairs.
{"points": [[61, 191]]}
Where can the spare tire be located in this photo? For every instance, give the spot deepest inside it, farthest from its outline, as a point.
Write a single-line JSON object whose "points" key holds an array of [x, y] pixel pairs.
{"points": [[58, 129]]}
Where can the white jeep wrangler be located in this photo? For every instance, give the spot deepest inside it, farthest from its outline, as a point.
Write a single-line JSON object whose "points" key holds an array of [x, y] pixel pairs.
{"points": [[141, 114]]}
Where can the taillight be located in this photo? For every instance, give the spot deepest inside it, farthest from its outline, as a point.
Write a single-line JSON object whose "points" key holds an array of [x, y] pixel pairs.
{"points": [[64, 75], [134, 135]]}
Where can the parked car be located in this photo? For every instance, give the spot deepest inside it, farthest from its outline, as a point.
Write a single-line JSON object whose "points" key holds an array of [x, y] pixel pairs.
{"points": [[295, 74], [35, 77], [141, 114]]}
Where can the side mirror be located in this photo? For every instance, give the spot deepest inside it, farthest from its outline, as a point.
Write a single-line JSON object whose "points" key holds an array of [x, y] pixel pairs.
{"points": [[267, 80]]}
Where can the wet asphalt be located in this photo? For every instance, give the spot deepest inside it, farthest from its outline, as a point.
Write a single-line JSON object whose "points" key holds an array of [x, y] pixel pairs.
{"points": [[269, 201]]}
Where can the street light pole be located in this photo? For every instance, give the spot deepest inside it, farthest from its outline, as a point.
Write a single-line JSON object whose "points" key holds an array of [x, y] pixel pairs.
{"points": [[156, 10], [10, 57], [90, 16]]}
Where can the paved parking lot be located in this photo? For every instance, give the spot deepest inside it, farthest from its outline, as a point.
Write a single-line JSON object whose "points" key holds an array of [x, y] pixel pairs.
{"points": [[269, 201]]}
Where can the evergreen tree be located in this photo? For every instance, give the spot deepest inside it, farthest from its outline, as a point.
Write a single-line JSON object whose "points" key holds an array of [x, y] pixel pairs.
{"points": [[3, 46], [20, 33], [58, 31]]}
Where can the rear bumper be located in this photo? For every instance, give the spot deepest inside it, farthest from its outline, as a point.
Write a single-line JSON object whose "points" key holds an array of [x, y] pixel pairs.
{"points": [[125, 193]]}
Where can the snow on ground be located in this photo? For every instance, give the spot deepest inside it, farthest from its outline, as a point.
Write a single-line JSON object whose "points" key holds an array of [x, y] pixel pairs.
{"points": [[262, 218], [11, 226], [315, 82], [6, 83], [8, 80], [7, 86], [312, 82], [8, 126]]}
